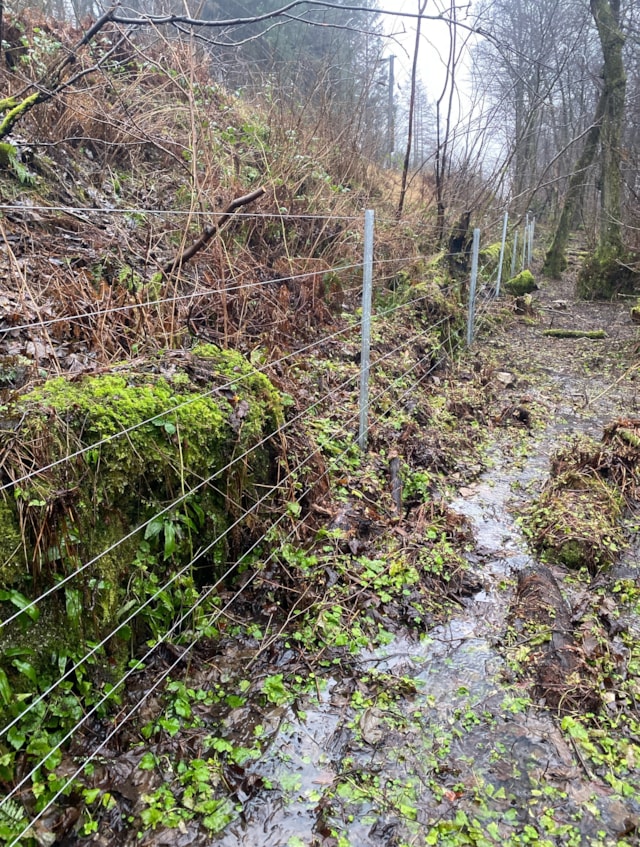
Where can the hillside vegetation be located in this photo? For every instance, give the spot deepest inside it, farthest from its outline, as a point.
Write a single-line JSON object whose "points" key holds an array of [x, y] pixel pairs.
{"points": [[179, 364]]}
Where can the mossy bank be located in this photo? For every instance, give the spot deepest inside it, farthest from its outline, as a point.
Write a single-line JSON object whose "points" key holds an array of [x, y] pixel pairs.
{"points": [[146, 475]]}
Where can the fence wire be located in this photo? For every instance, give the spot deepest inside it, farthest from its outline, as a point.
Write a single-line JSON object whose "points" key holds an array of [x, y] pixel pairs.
{"points": [[481, 314], [334, 462]]}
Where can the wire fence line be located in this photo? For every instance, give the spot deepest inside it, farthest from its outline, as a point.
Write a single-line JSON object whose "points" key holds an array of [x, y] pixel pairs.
{"points": [[264, 369], [164, 511], [198, 213], [207, 481], [208, 292], [177, 625], [388, 354], [201, 599]]}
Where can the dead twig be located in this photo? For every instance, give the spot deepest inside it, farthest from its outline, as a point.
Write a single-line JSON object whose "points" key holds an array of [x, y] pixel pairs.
{"points": [[210, 231]]}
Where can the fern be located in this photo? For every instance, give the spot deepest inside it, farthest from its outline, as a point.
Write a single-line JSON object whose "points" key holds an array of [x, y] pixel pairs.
{"points": [[12, 819], [23, 173]]}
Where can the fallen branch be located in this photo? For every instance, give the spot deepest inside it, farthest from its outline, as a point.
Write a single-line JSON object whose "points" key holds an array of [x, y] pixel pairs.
{"points": [[210, 231], [593, 334]]}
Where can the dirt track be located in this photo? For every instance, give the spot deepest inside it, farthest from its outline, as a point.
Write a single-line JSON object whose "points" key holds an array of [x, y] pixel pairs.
{"points": [[451, 739]]}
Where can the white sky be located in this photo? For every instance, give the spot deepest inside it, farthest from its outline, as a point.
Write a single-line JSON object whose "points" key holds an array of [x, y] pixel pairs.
{"points": [[433, 56], [434, 47]]}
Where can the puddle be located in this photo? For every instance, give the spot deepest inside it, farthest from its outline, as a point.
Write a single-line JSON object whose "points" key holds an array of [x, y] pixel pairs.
{"points": [[429, 738]]}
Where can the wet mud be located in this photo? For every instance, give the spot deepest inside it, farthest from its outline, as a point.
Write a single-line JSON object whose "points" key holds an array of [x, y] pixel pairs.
{"points": [[449, 738]]}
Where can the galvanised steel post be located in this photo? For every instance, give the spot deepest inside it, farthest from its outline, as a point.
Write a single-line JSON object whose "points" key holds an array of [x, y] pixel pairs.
{"points": [[502, 249], [472, 287], [532, 229], [524, 241], [367, 285]]}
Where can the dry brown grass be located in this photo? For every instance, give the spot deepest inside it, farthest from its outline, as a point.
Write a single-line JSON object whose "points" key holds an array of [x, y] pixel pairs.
{"points": [[149, 130]]}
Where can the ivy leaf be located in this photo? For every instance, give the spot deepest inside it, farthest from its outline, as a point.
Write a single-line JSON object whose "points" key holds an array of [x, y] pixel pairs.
{"points": [[147, 762], [16, 737]]}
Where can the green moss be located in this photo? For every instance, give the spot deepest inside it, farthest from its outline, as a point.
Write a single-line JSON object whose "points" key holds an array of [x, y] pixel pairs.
{"points": [[522, 283], [489, 256], [14, 111], [575, 521], [593, 334], [7, 103], [8, 154], [181, 435], [577, 528], [606, 273], [13, 565]]}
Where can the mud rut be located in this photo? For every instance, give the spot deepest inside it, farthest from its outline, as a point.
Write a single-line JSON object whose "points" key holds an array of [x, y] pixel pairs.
{"points": [[456, 742]]}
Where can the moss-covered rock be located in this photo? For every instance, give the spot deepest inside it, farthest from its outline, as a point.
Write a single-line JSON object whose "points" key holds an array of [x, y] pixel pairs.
{"points": [[592, 334], [490, 255], [575, 521], [577, 526], [522, 283], [605, 273], [151, 483]]}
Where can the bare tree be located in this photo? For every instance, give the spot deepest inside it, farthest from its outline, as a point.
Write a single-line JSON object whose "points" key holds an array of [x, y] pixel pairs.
{"points": [[422, 5], [605, 135]]}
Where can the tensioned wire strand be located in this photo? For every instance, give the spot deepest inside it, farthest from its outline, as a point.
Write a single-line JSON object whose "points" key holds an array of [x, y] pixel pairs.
{"points": [[176, 502], [201, 553], [200, 294], [232, 383], [175, 625], [195, 213], [213, 213], [193, 295], [380, 394]]}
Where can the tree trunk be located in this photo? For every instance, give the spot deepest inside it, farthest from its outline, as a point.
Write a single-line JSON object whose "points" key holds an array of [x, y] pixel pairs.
{"points": [[556, 261], [412, 103], [606, 134], [606, 14]]}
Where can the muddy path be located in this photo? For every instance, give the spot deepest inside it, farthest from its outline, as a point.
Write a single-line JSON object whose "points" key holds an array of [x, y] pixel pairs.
{"points": [[440, 739], [435, 741]]}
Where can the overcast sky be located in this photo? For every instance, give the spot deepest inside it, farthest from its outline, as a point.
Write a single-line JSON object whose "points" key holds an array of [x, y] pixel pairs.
{"points": [[434, 48]]}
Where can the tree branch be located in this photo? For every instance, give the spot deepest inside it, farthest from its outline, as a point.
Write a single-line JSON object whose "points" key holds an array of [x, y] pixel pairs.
{"points": [[210, 231]]}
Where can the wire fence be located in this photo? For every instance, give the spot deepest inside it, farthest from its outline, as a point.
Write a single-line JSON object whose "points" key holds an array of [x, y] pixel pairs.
{"points": [[345, 392], [215, 615]]}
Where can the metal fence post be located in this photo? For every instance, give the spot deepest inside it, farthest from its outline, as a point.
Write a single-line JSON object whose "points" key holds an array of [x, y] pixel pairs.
{"points": [[532, 229], [513, 255], [524, 241], [367, 284], [472, 287], [502, 249]]}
